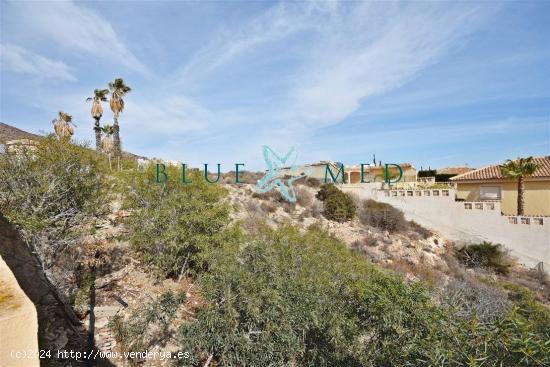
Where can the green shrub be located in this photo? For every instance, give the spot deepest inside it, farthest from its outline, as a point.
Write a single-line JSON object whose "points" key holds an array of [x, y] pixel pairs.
{"points": [[485, 254], [50, 185], [383, 216], [48, 192], [326, 191], [286, 298], [173, 224], [520, 337], [338, 206]]}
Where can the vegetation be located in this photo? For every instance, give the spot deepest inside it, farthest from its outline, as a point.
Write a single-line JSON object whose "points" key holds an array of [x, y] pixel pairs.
{"points": [[100, 95], [383, 216], [49, 193], [148, 324], [338, 206], [173, 224], [49, 189], [276, 297], [291, 298], [484, 254], [519, 169], [62, 126], [286, 298], [118, 90]]}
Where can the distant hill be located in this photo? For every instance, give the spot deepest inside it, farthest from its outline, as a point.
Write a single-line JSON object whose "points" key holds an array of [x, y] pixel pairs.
{"points": [[8, 132]]}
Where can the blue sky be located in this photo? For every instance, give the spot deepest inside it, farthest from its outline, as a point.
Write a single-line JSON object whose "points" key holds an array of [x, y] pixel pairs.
{"points": [[435, 84]]}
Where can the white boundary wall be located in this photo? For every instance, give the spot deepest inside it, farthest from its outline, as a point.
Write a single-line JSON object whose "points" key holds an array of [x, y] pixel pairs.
{"points": [[527, 238]]}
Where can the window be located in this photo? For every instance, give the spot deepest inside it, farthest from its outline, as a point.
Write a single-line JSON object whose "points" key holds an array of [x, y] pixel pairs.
{"points": [[489, 192]]}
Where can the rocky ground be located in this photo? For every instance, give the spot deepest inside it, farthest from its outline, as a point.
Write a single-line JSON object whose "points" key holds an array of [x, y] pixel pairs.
{"points": [[124, 283]]}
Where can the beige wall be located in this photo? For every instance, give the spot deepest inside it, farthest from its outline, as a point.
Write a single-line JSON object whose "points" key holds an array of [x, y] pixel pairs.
{"points": [[537, 195], [527, 241], [18, 323], [376, 174]]}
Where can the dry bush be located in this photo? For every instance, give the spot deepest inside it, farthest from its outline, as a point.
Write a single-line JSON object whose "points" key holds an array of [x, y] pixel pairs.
{"points": [[245, 177], [471, 297], [274, 195], [268, 206], [314, 210], [417, 228], [486, 255], [310, 182], [148, 325], [366, 241], [304, 197], [383, 216]]}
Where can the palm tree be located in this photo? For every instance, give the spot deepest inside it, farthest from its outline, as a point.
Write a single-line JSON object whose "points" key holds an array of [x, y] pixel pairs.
{"points": [[519, 169], [62, 126], [118, 90], [107, 145], [100, 95]]}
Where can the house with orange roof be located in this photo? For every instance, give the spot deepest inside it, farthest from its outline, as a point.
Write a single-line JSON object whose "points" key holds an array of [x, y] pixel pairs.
{"points": [[488, 184]]}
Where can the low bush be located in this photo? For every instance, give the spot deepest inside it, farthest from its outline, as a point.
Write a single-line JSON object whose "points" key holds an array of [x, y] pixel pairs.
{"points": [[287, 298], [486, 255], [50, 193], [304, 197], [310, 182], [148, 324], [423, 232], [383, 216], [291, 298], [173, 224], [338, 206]]}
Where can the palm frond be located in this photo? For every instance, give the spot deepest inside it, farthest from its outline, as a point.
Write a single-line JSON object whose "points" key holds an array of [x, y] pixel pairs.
{"points": [[519, 167]]}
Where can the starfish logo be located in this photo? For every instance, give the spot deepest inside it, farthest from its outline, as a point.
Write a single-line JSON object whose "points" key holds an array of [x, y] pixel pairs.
{"points": [[274, 177]]}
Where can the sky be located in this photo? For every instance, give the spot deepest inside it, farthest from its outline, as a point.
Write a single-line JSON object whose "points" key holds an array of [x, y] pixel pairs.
{"points": [[432, 83]]}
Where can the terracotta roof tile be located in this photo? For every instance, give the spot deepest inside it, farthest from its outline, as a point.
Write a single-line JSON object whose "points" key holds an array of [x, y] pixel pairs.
{"points": [[493, 172]]}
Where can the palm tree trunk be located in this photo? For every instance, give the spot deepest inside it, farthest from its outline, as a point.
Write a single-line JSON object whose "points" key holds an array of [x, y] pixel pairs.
{"points": [[521, 189], [116, 137], [97, 130]]}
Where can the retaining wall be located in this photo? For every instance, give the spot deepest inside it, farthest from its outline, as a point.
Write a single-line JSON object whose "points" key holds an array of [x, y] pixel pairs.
{"points": [[526, 237]]}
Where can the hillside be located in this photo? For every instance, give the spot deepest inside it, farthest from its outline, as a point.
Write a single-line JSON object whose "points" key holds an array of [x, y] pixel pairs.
{"points": [[224, 274], [8, 132]]}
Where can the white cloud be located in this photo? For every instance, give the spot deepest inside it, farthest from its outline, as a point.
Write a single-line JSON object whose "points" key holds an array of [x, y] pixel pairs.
{"points": [[374, 50], [278, 22], [166, 116], [349, 51], [76, 28], [19, 60]]}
